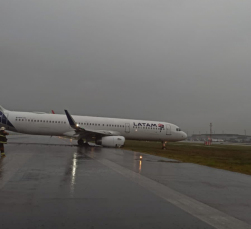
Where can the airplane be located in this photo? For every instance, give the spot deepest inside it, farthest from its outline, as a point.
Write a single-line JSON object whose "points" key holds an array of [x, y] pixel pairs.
{"points": [[107, 132]]}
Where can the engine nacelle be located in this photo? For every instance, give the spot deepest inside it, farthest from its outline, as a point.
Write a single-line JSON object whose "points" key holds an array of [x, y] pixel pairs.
{"points": [[111, 141]]}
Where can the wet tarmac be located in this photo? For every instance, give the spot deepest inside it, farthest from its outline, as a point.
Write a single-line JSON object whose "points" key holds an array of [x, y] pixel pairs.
{"points": [[49, 182]]}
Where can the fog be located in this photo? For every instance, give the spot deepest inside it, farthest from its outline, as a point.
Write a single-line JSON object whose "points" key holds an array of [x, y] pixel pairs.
{"points": [[184, 62]]}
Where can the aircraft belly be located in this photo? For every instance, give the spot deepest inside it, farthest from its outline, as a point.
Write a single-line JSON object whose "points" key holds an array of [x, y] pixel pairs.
{"points": [[149, 136], [143, 136], [40, 130]]}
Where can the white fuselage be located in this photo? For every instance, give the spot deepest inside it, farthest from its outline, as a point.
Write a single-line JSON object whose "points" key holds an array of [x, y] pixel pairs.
{"points": [[58, 125]]}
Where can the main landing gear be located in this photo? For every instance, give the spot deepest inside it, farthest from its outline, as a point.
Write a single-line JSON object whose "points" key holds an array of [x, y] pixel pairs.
{"points": [[163, 145], [81, 142]]}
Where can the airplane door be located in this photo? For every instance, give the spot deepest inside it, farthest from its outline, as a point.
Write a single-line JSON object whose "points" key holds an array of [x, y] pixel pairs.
{"points": [[168, 129], [127, 127]]}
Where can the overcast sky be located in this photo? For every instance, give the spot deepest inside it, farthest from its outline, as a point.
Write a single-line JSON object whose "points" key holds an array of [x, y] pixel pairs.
{"points": [[184, 62]]}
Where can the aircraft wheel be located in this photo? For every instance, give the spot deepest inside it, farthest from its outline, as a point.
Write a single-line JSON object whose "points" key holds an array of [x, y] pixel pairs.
{"points": [[80, 142]]}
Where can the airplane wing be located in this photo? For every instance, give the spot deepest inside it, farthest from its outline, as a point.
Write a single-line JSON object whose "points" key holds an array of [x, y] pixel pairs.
{"points": [[83, 132]]}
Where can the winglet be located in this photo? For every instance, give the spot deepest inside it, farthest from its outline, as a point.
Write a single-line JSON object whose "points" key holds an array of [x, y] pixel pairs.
{"points": [[72, 122], [52, 111]]}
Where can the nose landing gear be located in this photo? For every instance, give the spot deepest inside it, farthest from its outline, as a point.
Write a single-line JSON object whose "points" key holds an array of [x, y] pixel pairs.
{"points": [[163, 145]]}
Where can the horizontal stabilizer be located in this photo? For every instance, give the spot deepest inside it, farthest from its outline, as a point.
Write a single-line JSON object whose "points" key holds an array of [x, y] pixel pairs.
{"points": [[2, 109]]}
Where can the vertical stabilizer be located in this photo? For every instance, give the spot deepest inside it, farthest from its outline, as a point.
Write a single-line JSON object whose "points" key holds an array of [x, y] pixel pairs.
{"points": [[4, 121]]}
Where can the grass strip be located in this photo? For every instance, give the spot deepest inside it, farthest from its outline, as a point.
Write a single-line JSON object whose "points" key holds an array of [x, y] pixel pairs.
{"points": [[229, 157]]}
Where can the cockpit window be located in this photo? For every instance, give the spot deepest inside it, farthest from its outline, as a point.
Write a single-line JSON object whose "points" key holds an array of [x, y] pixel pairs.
{"points": [[178, 129]]}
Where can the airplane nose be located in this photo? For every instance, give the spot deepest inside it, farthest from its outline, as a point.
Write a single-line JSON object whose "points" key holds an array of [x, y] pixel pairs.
{"points": [[184, 135]]}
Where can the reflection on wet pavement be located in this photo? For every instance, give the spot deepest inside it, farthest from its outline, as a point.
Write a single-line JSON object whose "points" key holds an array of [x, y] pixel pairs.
{"points": [[44, 183]]}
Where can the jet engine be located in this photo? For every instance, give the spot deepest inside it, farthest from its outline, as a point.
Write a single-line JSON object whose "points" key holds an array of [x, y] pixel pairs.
{"points": [[111, 141]]}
